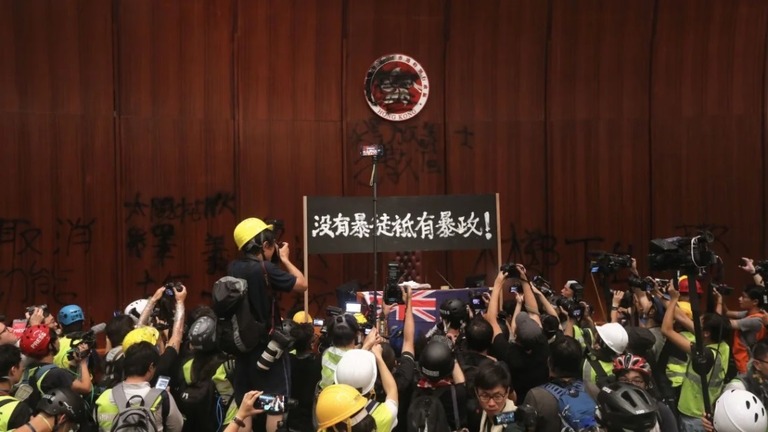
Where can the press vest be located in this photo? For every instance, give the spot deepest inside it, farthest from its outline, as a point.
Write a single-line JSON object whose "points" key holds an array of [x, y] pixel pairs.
{"points": [[676, 368], [691, 401], [331, 358], [60, 359], [8, 404]]}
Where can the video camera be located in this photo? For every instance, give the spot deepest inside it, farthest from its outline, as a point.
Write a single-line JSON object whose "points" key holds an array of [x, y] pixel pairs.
{"points": [[573, 308], [170, 287], [761, 268], [88, 338], [44, 307], [681, 253], [646, 284], [605, 262], [723, 289]]}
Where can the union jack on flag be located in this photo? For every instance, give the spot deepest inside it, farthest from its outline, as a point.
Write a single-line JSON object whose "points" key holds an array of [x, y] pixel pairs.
{"points": [[426, 306]]}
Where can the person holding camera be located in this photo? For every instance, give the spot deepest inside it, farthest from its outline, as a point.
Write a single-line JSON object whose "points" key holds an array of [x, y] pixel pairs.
{"points": [[260, 267], [39, 343], [747, 323], [172, 297]]}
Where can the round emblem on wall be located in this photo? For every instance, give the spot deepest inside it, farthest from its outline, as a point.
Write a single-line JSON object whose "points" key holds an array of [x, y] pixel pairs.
{"points": [[396, 87]]}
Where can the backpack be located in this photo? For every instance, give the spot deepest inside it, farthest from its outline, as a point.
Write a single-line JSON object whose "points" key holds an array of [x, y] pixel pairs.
{"points": [[199, 400], [113, 371], [237, 328], [576, 407], [29, 390], [136, 418], [427, 414]]}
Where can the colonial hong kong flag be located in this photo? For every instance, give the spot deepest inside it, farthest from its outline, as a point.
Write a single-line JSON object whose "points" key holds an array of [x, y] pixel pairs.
{"points": [[426, 306]]}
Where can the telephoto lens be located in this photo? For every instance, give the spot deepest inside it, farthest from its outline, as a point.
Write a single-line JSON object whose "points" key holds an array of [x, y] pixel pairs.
{"points": [[278, 343]]}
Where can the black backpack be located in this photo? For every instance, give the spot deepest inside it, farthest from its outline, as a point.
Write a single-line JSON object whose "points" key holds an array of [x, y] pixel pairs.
{"points": [[426, 414], [239, 331], [199, 401]]}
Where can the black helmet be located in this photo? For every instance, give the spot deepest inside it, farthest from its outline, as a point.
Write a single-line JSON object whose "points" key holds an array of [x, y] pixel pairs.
{"points": [[454, 311], [64, 401], [202, 334], [625, 407], [436, 361]]}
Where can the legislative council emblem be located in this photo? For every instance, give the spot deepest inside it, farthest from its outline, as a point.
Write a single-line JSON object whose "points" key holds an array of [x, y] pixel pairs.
{"points": [[396, 87]]}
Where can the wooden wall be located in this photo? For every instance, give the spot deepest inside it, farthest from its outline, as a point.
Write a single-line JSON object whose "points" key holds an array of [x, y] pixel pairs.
{"points": [[135, 134]]}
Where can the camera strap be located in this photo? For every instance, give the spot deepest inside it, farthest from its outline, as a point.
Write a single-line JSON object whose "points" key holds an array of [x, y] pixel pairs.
{"points": [[273, 306], [455, 406]]}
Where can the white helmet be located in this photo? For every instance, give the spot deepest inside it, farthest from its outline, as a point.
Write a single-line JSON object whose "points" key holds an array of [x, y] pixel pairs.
{"points": [[135, 308], [614, 335], [357, 368], [740, 411]]}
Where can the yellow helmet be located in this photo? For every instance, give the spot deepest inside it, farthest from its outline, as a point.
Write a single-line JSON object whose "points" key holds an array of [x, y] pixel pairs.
{"points": [[360, 318], [141, 334], [336, 403], [686, 308], [302, 317], [248, 229]]}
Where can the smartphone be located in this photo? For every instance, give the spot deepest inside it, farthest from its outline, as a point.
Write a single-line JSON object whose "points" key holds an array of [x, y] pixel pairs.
{"points": [[513, 289], [318, 322], [367, 331], [354, 307], [504, 418], [270, 403], [162, 382], [19, 325]]}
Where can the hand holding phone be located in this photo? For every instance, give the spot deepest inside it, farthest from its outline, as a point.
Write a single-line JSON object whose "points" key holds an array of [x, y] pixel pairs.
{"points": [[162, 382]]}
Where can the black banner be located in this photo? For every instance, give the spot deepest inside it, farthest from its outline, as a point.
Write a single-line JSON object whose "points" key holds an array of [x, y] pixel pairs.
{"points": [[409, 223]]}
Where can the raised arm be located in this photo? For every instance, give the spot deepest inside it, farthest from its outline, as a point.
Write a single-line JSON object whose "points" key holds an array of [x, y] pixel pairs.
{"points": [[301, 284], [409, 327], [147, 312], [387, 380], [530, 299], [492, 314], [667, 325]]}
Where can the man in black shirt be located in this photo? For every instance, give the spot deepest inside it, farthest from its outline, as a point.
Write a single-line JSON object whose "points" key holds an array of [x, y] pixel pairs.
{"points": [[527, 356], [305, 373], [259, 266]]}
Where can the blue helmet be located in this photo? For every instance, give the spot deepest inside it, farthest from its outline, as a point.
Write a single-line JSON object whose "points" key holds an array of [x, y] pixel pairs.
{"points": [[70, 314]]}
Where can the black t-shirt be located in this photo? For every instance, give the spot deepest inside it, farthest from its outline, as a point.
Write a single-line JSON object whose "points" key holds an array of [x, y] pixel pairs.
{"points": [[405, 376], [20, 414], [446, 399], [305, 373], [168, 364], [528, 369], [252, 271]]}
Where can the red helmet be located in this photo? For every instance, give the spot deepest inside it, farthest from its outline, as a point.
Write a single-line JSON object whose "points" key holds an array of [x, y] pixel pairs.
{"points": [[682, 286], [35, 341], [631, 362]]}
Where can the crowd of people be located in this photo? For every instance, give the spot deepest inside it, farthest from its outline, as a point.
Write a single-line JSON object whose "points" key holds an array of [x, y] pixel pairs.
{"points": [[527, 359]]}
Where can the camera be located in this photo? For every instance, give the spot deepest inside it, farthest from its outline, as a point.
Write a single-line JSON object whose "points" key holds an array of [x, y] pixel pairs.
{"points": [[723, 289], [477, 303], [278, 342], [44, 307], [605, 262], [572, 308], [510, 269], [761, 268], [681, 253], [504, 418], [526, 416], [88, 338], [276, 404], [171, 286]]}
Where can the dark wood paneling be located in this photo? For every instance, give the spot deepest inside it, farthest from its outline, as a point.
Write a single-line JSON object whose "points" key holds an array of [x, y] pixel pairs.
{"points": [[175, 58], [706, 116], [597, 129], [495, 78]]}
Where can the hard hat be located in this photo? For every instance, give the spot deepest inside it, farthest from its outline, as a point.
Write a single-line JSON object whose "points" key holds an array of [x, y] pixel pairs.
{"points": [[622, 406], [336, 403], [739, 411], [360, 318], [70, 314], [357, 368], [141, 334], [35, 341], [682, 285], [436, 360], [615, 336], [302, 317], [248, 229], [454, 311], [135, 308]]}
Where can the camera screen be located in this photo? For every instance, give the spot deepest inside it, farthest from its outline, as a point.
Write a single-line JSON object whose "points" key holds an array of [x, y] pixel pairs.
{"points": [[318, 321], [477, 301], [354, 308], [270, 403], [504, 418]]}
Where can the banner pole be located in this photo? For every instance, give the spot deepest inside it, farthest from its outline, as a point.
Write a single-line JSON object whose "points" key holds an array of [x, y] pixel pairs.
{"points": [[498, 245], [306, 259]]}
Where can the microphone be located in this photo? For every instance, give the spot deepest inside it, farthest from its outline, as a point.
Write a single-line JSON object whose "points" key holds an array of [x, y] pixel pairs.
{"points": [[98, 328]]}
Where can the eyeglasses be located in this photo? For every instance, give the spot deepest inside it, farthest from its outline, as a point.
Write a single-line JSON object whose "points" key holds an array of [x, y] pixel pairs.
{"points": [[755, 359], [637, 382], [497, 397]]}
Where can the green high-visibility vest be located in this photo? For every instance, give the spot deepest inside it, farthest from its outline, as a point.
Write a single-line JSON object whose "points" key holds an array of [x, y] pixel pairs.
{"points": [[8, 405], [691, 401], [676, 367]]}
